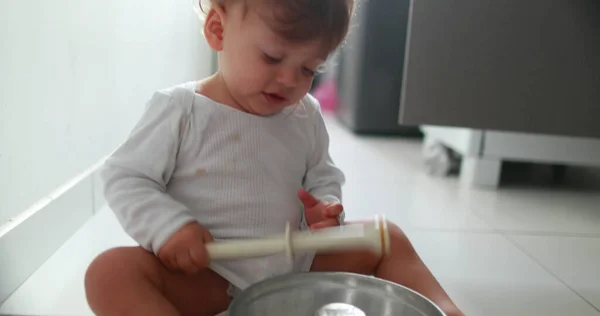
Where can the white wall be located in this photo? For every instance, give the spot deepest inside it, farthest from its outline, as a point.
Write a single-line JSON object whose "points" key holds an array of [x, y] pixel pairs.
{"points": [[74, 77]]}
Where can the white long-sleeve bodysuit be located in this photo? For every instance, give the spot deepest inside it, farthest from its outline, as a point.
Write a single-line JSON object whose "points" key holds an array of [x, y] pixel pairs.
{"points": [[190, 158]]}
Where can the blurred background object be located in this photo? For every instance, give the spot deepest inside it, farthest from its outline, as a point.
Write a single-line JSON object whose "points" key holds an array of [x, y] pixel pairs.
{"points": [[369, 69], [499, 82]]}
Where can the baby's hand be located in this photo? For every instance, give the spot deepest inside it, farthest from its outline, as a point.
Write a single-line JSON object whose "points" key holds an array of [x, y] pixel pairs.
{"points": [[185, 250], [320, 214]]}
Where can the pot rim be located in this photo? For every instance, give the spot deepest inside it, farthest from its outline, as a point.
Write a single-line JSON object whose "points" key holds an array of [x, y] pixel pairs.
{"points": [[282, 282]]}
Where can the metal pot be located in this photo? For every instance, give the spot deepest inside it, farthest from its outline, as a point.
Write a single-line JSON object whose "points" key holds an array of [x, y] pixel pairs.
{"points": [[330, 293]]}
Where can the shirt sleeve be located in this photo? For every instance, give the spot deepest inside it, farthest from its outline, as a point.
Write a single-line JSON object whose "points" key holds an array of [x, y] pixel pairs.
{"points": [[136, 175], [323, 178]]}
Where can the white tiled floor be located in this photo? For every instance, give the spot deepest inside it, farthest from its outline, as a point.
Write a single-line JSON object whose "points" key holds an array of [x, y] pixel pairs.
{"points": [[515, 251]]}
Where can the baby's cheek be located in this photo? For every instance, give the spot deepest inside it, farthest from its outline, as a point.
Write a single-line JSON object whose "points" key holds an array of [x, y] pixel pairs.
{"points": [[303, 88], [254, 80], [246, 85]]}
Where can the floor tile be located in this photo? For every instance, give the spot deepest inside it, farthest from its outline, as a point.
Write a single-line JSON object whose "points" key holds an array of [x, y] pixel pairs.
{"points": [[486, 275], [574, 260], [412, 201], [537, 210]]}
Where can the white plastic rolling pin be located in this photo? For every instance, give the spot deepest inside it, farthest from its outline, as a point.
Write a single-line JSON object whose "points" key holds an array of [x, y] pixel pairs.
{"points": [[371, 235]]}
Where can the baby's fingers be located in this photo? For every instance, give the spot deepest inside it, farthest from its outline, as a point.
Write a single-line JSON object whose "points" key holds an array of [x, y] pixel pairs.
{"points": [[333, 210], [185, 262], [168, 260], [199, 256]]}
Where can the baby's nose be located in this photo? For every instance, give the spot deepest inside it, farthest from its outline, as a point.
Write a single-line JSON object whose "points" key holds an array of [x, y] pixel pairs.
{"points": [[287, 78]]}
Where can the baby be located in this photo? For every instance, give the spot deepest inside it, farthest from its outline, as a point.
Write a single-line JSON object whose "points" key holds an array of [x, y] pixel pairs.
{"points": [[236, 155]]}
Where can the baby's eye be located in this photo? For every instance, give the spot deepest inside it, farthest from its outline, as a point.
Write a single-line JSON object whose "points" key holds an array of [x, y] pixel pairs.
{"points": [[271, 60], [308, 72]]}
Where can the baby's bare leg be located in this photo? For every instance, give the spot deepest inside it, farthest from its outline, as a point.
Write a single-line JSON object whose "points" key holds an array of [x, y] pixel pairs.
{"points": [[402, 266], [132, 281]]}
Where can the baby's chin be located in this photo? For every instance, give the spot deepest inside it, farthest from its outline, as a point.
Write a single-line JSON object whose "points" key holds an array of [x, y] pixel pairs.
{"points": [[266, 110]]}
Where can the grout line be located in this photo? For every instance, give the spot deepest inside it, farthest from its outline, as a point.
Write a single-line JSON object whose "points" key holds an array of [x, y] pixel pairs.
{"points": [[528, 233], [493, 231], [507, 236], [549, 234], [548, 270], [452, 230]]}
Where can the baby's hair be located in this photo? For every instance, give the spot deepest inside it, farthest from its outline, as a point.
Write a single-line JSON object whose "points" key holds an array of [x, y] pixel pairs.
{"points": [[301, 20]]}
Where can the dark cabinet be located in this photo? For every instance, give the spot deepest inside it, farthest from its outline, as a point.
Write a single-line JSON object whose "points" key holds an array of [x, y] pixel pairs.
{"points": [[370, 68], [528, 66]]}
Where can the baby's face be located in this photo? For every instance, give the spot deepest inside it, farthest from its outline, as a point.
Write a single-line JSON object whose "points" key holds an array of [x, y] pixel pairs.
{"points": [[263, 72]]}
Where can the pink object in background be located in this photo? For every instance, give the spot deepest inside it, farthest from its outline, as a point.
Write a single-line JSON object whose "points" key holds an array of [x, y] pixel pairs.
{"points": [[326, 94]]}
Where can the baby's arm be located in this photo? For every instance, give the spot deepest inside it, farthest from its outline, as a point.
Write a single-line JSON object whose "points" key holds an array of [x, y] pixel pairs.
{"points": [[323, 178], [136, 175]]}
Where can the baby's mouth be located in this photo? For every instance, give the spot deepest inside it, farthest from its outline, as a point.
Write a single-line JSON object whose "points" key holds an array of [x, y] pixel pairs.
{"points": [[274, 97]]}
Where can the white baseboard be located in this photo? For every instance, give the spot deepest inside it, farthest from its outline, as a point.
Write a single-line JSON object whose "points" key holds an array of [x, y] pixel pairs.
{"points": [[31, 237], [98, 192]]}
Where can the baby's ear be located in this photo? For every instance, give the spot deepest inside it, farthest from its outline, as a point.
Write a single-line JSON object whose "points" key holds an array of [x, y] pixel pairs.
{"points": [[213, 28]]}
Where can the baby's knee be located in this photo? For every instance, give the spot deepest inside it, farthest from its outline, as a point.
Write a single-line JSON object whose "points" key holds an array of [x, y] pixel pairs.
{"points": [[115, 265], [104, 265], [399, 242], [395, 231]]}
